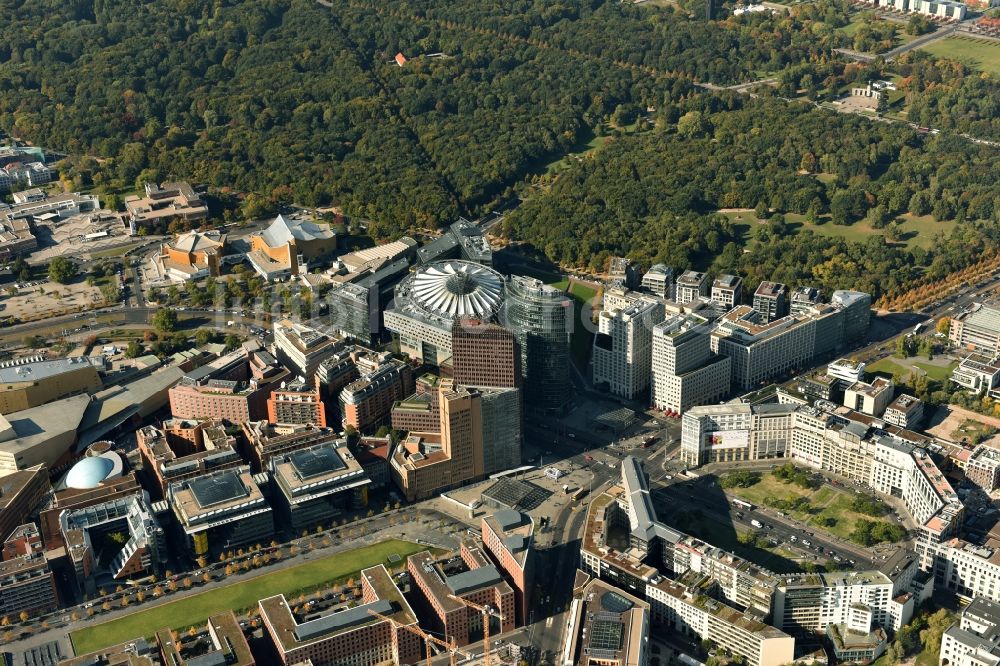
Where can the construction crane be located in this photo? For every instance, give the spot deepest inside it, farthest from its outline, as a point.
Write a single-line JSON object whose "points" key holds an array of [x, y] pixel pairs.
{"points": [[428, 639], [486, 611]]}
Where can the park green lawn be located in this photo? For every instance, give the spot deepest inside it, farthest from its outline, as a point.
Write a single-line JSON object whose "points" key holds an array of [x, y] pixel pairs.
{"points": [[894, 366], [887, 367], [937, 372], [825, 502], [196, 609], [583, 336], [914, 231], [981, 54]]}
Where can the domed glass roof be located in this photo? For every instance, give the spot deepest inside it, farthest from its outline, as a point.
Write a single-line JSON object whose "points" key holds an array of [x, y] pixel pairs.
{"points": [[458, 289], [90, 472]]}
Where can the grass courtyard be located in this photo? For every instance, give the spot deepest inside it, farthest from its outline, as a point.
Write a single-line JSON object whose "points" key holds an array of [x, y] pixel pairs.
{"points": [[195, 609], [978, 53], [899, 366]]}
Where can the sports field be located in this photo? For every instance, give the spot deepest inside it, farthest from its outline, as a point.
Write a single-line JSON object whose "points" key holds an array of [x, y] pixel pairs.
{"points": [[195, 610], [976, 52]]}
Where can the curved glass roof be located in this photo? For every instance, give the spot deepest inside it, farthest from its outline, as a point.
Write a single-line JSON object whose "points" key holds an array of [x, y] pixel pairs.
{"points": [[458, 289]]}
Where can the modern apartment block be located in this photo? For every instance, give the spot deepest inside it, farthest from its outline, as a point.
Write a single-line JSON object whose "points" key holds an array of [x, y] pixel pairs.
{"points": [[485, 355], [20, 494], [315, 485], [165, 463], [623, 348], [905, 411], [26, 583], [659, 280], [296, 403], [608, 626], [983, 468], [975, 639], [473, 577], [870, 398], [221, 642], [541, 318], [977, 372], [366, 402], [265, 440], [691, 285], [429, 301], [508, 537], [851, 447], [685, 373], [863, 601], [770, 300], [727, 290], [220, 511], [803, 299], [301, 349], [352, 637], [34, 381]]}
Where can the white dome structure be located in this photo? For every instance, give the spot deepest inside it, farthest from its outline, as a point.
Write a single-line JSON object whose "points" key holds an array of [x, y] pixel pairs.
{"points": [[92, 471], [454, 289]]}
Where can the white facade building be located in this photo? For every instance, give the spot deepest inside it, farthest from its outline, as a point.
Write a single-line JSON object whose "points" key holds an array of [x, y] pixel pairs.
{"points": [[623, 348]]}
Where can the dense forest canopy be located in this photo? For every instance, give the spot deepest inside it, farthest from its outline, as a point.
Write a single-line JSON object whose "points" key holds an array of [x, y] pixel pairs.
{"points": [[294, 101]]}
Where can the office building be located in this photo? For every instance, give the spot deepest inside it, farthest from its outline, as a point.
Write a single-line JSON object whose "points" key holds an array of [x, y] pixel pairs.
{"points": [[72, 499], [234, 387], [296, 403], [659, 280], [219, 511], [430, 300], [803, 299], [983, 468], [84, 533], [377, 256], [365, 403], [978, 373], [35, 381], [485, 355], [134, 652], [857, 307], [727, 290], [445, 450], [16, 238], [870, 398], [221, 642], [169, 458], [541, 318], [606, 626], [685, 373], [691, 286], [21, 493], [301, 349], [358, 300], [761, 351], [287, 246], [372, 454], [508, 538], [905, 411], [265, 440], [463, 240], [313, 486], [977, 330], [975, 639], [26, 583], [191, 256], [350, 637], [623, 348], [770, 301], [501, 424], [37, 205], [473, 577], [164, 203]]}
